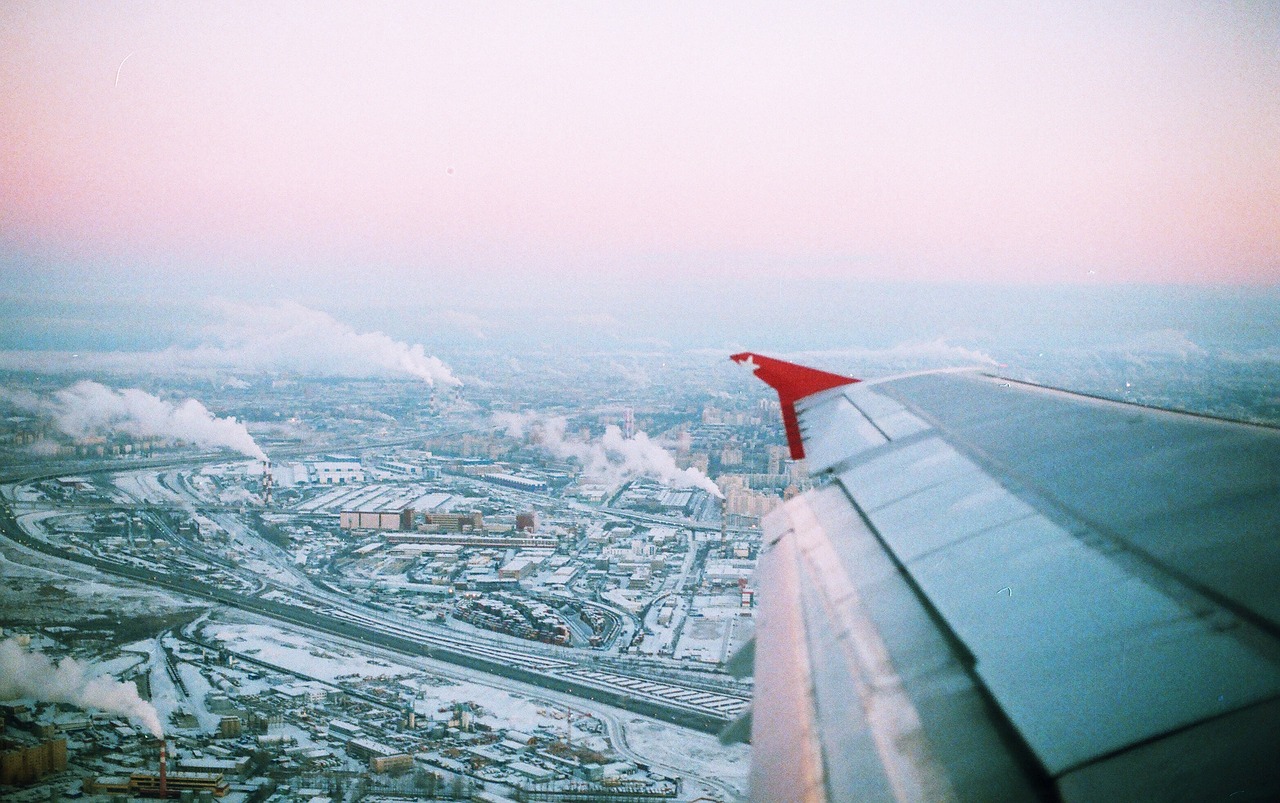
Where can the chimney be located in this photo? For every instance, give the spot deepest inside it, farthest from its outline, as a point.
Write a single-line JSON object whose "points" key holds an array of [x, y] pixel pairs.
{"points": [[268, 482], [164, 761]]}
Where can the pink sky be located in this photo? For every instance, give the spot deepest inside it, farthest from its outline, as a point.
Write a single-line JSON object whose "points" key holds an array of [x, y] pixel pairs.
{"points": [[1116, 143]]}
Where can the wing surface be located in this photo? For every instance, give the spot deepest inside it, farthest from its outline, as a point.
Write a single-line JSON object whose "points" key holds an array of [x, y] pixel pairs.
{"points": [[999, 591]]}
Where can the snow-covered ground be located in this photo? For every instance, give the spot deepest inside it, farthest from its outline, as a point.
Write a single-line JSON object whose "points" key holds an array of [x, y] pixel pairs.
{"points": [[514, 705], [298, 653], [82, 591], [263, 559], [24, 493], [627, 600], [330, 662], [661, 637], [675, 747], [165, 696], [143, 485], [129, 657], [198, 690], [712, 628]]}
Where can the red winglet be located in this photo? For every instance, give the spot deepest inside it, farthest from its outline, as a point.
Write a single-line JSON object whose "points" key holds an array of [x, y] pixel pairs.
{"points": [[793, 383]]}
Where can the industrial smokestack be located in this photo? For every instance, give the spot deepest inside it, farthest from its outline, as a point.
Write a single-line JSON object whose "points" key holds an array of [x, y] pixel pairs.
{"points": [[268, 482], [724, 520], [164, 764]]}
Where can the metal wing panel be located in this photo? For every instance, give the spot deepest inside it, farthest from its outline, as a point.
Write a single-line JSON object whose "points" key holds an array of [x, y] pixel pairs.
{"points": [[1082, 626], [958, 508], [835, 429], [1084, 657], [896, 714], [1175, 487], [898, 473], [1232, 758], [888, 415], [1089, 584], [851, 769]]}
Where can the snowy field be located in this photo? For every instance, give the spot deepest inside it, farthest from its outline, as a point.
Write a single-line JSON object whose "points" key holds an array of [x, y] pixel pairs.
{"points": [[676, 747], [515, 706], [712, 628]]}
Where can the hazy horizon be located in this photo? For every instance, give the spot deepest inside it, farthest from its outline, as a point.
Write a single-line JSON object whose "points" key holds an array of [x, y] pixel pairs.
{"points": [[480, 179]]}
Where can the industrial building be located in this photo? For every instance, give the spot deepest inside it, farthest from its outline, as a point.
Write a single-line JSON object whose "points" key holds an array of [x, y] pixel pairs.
{"points": [[518, 483], [376, 495], [377, 519], [520, 567], [383, 507], [399, 761], [478, 541], [336, 470], [382, 758], [401, 468], [564, 575], [141, 784], [458, 522]]}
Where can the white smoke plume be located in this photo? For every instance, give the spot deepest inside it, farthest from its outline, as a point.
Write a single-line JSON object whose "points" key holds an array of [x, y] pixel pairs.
{"points": [[88, 408], [612, 458], [31, 674], [291, 337], [264, 338]]}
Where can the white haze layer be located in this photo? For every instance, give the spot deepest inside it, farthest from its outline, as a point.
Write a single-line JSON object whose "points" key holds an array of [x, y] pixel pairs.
{"points": [[612, 459], [291, 337], [88, 408], [32, 675], [283, 337]]}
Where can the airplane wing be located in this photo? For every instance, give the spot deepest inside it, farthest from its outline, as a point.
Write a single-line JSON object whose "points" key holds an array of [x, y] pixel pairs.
{"points": [[1000, 591]]}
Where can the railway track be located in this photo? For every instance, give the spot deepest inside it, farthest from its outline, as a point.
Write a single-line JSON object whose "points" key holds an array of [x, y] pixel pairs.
{"points": [[667, 700]]}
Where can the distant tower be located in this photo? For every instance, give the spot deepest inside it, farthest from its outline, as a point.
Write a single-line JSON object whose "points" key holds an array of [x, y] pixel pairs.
{"points": [[628, 423], [268, 482]]}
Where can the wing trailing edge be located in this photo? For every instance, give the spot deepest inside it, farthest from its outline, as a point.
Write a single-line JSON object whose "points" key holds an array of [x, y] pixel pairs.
{"points": [[792, 382]]}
